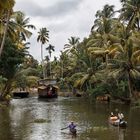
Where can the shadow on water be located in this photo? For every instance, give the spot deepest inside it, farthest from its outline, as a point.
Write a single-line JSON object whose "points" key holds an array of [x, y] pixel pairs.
{"points": [[42, 119]]}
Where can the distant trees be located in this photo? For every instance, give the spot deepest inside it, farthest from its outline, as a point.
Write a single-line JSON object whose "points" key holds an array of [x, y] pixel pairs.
{"points": [[50, 48]]}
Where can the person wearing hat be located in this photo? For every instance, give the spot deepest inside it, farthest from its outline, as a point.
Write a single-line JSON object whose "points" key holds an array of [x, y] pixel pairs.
{"points": [[72, 127]]}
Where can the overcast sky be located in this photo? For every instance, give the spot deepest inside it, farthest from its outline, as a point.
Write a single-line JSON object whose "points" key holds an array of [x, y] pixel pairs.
{"points": [[63, 19]]}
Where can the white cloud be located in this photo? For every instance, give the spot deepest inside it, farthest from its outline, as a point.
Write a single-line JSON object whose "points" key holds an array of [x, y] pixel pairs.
{"points": [[63, 18]]}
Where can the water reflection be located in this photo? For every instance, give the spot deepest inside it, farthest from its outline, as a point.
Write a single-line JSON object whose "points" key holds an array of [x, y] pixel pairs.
{"points": [[18, 121], [122, 134]]}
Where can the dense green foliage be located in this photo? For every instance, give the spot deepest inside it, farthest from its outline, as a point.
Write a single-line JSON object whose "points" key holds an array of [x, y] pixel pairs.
{"points": [[10, 59], [105, 62], [13, 50]]}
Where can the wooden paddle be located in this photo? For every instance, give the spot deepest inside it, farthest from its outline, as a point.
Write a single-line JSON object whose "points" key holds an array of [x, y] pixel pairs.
{"points": [[64, 128]]}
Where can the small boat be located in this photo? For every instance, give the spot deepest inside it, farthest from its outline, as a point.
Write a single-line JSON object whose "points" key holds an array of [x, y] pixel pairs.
{"points": [[116, 122], [73, 131], [47, 88], [20, 94]]}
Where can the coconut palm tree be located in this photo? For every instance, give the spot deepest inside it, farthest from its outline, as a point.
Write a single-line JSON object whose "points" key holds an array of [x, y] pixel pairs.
{"points": [[72, 43], [22, 22], [43, 37], [80, 66], [5, 12], [55, 59], [50, 48], [64, 62], [6, 5], [130, 13], [104, 19], [46, 65], [99, 40], [47, 58], [18, 27], [126, 56]]}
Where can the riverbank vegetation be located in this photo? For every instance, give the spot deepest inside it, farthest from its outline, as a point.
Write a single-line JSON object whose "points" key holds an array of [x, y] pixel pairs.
{"points": [[107, 62]]}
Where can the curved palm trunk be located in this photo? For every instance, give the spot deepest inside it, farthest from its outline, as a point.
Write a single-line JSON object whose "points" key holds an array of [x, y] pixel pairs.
{"points": [[138, 25], [106, 57], [5, 32], [50, 69], [129, 86], [50, 64], [62, 70], [7, 88], [42, 61]]}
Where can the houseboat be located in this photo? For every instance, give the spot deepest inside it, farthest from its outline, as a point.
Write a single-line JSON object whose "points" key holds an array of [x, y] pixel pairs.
{"points": [[47, 88]]}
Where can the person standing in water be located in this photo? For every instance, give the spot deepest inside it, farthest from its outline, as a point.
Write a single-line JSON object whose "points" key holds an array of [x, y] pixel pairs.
{"points": [[72, 128]]}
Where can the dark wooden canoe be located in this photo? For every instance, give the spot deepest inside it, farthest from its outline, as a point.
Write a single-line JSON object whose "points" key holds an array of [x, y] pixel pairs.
{"points": [[117, 123], [20, 94]]}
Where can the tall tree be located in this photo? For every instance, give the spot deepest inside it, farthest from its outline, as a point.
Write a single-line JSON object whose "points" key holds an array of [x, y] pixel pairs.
{"points": [[17, 28], [43, 37], [19, 19], [101, 31], [104, 19], [50, 48], [130, 13], [72, 43], [5, 12]]}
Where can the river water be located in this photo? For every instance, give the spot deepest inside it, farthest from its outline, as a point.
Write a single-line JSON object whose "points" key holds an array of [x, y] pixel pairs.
{"points": [[19, 120]]}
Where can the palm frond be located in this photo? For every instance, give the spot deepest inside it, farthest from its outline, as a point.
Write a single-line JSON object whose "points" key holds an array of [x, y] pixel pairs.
{"points": [[134, 73]]}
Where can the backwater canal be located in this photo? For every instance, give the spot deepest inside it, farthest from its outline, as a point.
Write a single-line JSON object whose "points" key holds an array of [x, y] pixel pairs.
{"points": [[34, 119]]}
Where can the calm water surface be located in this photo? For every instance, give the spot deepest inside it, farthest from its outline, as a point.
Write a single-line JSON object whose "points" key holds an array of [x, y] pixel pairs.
{"points": [[18, 122]]}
